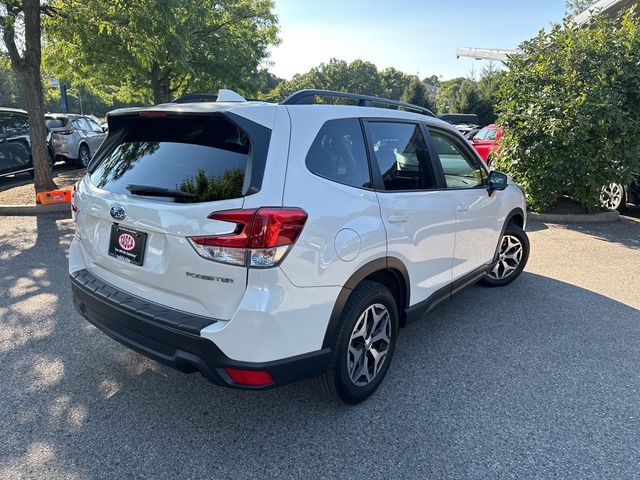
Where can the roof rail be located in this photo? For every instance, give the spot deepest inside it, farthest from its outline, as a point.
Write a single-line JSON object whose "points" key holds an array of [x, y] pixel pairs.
{"points": [[308, 97]]}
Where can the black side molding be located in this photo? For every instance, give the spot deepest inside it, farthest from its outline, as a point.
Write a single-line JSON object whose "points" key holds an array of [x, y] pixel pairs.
{"points": [[419, 310]]}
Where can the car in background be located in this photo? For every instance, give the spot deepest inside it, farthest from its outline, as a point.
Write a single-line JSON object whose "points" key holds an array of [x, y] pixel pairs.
{"points": [[15, 143], [74, 138], [486, 141], [471, 133], [617, 196]]}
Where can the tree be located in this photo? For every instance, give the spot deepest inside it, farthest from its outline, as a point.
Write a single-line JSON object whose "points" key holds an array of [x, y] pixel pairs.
{"points": [[416, 92], [11, 91], [576, 7], [394, 82], [358, 76], [156, 50], [15, 17], [570, 107]]}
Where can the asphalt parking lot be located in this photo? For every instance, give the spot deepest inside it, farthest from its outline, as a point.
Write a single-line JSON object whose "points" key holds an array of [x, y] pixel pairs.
{"points": [[535, 380]]}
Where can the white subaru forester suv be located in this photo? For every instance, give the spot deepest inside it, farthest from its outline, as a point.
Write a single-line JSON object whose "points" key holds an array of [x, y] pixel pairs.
{"points": [[261, 244]]}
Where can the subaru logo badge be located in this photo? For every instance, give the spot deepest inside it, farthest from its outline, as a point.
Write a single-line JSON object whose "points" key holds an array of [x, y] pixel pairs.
{"points": [[118, 213]]}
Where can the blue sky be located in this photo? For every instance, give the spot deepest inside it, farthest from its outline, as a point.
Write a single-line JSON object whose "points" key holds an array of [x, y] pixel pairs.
{"points": [[418, 37]]}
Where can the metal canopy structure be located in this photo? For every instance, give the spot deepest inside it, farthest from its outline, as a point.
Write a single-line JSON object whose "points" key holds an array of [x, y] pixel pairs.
{"points": [[609, 8], [496, 54]]}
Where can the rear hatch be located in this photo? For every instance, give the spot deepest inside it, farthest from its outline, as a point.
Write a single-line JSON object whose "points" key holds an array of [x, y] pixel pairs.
{"points": [[151, 187]]}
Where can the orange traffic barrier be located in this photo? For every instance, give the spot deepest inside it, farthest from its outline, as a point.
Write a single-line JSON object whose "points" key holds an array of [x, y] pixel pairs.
{"points": [[54, 196]]}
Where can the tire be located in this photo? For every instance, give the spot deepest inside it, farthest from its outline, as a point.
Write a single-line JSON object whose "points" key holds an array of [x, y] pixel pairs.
{"points": [[512, 257], [349, 377], [613, 197], [84, 156]]}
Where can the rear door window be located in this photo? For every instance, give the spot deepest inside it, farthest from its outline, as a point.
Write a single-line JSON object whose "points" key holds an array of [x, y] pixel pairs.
{"points": [[401, 154], [205, 158], [81, 124]]}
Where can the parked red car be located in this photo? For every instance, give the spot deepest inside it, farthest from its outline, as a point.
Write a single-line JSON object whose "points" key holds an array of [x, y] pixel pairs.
{"points": [[486, 140]]}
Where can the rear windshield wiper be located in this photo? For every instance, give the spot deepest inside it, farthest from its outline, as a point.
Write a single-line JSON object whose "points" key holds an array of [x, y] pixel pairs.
{"points": [[151, 191]]}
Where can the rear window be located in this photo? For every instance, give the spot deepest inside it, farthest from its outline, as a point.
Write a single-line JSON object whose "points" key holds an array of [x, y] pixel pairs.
{"points": [[13, 124], [56, 122], [206, 158]]}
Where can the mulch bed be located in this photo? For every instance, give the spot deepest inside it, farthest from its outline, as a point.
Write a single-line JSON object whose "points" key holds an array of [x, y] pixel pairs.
{"points": [[567, 206], [26, 195]]}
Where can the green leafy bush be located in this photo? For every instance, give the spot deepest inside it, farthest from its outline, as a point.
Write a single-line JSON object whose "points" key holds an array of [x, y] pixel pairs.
{"points": [[570, 106]]}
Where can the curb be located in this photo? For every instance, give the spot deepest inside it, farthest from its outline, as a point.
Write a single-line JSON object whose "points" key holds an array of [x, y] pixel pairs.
{"points": [[25, 210], [578, 218]]}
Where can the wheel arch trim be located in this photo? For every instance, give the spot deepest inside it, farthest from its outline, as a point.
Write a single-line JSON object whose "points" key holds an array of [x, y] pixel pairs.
{"points": [[378, 265]]}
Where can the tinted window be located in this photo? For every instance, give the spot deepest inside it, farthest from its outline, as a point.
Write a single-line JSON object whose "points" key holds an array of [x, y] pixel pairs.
{"points": [[56, 122], [461, 170], [13, 124], [402, 156], [203, 157], [93, 126], [81, 124], [339, 153]]}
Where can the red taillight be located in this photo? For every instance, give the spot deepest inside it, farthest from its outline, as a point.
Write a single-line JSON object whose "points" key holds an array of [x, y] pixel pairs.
{"points": [[239, 238], [152, 114], [275, 227], [252, 378], [261, 238], [63, 132]]}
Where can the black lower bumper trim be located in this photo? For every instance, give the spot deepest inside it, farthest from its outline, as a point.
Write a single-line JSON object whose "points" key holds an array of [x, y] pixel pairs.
{"points": [[178, 348]]}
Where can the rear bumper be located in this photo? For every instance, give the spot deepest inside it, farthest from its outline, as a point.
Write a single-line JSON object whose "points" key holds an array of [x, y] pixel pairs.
{"points": [[171, 337]]}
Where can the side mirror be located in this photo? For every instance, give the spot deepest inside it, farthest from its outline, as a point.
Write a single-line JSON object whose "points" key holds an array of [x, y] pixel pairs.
{"points": [[497, 181]]}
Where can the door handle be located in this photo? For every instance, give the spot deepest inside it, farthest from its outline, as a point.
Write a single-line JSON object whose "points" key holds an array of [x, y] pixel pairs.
{"points": [[462, 207], [398, 218]]}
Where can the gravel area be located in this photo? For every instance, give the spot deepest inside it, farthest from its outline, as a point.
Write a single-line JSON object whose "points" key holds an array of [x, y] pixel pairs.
{"points": [[536, 380]]}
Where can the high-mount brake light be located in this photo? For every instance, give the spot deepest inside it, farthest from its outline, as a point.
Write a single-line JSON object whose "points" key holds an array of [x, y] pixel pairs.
{"points": [[261, 239], [152, 114]]}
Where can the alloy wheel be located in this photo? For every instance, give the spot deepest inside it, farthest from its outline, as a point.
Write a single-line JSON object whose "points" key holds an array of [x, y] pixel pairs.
{"points": [[369, 344], [611, 196], [509, 257], [84, 156]]}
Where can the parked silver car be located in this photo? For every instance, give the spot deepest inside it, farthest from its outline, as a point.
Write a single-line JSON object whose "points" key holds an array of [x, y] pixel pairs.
{"points": [[74, 138]]}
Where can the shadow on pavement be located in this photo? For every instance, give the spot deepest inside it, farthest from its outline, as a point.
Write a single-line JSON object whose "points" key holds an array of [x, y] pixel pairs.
{"points": [[535, 226], [538, 378], [625, 232]]}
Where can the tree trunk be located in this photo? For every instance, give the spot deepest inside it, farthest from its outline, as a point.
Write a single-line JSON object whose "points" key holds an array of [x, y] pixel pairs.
{"points": [[160, 85], [33, 88], [28, 70]]}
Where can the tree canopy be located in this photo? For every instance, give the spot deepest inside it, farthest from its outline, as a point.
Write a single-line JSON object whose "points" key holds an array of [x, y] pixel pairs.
{"points": [[570, 106], [467, 95], [156, 50], [358, 76]]}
